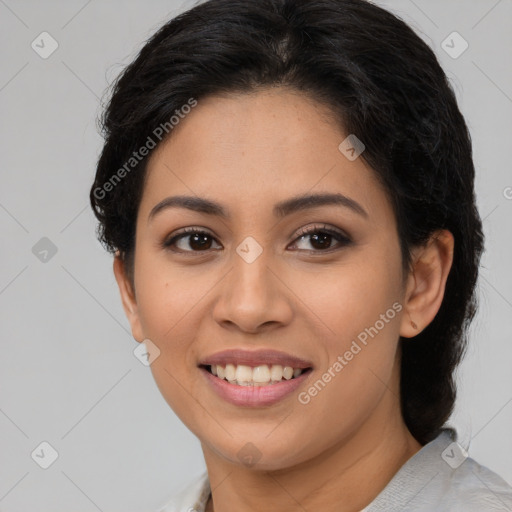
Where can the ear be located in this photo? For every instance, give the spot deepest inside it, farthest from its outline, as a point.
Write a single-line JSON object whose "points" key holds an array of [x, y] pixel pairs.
{"points": [[426, 282], [128, 297]]}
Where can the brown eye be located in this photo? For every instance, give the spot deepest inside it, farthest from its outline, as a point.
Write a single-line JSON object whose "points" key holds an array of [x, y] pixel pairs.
{"points": [[321, 238], [194, 240], [198, 241]]}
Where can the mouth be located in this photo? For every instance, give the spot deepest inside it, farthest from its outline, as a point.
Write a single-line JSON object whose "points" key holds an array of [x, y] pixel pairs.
{"points": [[261, 375], [254, 378]]}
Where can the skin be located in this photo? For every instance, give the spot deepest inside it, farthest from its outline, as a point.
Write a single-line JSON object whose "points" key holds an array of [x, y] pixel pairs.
{"points": [[248, 152]]}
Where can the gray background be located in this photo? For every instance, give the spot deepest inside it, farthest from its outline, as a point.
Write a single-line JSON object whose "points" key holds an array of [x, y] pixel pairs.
{"points": [[68, 375]]}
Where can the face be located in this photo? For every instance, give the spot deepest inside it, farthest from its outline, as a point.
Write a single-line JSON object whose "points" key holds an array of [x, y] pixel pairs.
{"points": [[322, 283]]}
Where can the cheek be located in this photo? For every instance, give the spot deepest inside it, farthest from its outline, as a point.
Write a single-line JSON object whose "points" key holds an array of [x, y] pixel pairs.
{"points": [[361, 356], [360, 312], [351, 298], [167, 296], [167, 308]]}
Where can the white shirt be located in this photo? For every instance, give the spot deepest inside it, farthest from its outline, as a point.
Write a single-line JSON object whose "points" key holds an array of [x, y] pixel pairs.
{"points": [[438, 478]]}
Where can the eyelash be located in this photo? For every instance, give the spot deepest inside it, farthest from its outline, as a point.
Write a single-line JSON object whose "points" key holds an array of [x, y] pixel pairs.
{"points": [[342, 239]]}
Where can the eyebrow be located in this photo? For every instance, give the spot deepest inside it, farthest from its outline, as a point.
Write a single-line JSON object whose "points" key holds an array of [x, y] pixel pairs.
{"points": [[280, 210]]}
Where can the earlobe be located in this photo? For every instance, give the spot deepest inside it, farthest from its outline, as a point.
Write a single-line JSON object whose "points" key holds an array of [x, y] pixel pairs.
{"points": [[128, 298], [427, 282]]}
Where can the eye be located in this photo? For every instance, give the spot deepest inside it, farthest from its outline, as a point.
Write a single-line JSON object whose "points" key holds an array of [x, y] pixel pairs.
{"points": [[198, 240], [201, 241], [321, 238]]}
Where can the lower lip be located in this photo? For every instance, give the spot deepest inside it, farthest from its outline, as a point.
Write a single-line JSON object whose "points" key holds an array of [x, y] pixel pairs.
{"points": [[254, 396]]}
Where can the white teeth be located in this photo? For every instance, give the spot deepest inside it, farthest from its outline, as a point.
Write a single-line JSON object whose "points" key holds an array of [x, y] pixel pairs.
{"points": [[230, 372], [262, 375], [276, 372], [287, 372], [243, 374]]}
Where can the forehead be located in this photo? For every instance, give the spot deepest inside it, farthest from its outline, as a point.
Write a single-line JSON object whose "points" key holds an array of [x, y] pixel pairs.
{"points": [[251, 148]]}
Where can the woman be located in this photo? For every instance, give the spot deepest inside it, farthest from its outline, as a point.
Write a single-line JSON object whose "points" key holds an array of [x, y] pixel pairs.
{"points": [[288, 189]]}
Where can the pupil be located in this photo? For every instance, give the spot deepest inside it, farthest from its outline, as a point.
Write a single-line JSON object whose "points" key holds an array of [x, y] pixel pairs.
{"points": [[316, 237], [197, 238]]}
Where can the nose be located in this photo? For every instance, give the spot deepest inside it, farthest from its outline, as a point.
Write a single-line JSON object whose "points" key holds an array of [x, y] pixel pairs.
{"points": [[253, 297]]}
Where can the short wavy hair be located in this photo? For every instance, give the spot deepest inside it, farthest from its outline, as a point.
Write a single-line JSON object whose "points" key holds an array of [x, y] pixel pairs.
{"points": [[380, 81]]}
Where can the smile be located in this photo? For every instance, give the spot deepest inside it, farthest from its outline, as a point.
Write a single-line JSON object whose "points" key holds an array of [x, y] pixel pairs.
{"points": [[262, 375], [250, 393]]}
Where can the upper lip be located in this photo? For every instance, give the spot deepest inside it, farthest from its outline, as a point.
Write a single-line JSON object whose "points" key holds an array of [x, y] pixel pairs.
{"points": [[254, 358]]}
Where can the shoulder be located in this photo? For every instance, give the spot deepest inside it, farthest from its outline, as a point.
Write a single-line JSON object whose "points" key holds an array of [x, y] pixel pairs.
{"points": [[441, 477], [473, 487], [191, 498]]}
